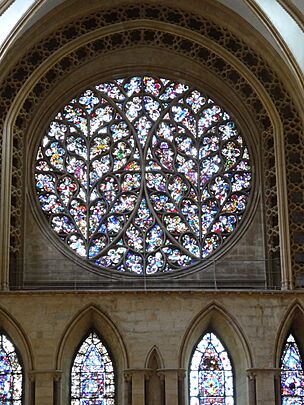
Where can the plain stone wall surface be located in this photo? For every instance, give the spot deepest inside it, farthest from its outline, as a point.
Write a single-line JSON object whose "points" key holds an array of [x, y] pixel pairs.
{"points": [[167, 320]]}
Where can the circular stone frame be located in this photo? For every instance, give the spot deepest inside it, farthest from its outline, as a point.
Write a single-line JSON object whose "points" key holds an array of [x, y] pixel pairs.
{"points": [[242, 123]]}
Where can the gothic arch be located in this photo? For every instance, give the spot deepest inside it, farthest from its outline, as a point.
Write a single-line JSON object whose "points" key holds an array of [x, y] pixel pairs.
{"points": [[18, 337], [154, 357], [293, 320], [90, 318], [154, 386], [9, 325], [250, 78], [217, 319]]}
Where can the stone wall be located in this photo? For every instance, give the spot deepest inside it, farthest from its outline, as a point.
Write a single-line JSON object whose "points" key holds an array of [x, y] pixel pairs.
{"points": [[48, 327]]}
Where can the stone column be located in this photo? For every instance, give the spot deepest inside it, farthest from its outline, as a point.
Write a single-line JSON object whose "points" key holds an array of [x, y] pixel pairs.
{"points": [[127, 395], [181, 386], [136, 378], [5, 208], [265, 381], [277, 386], [251, 387], [172, 377], [44, 385]]}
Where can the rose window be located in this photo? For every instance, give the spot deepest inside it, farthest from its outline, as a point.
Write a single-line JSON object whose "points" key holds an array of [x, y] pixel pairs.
{"points": [[143, 175]]}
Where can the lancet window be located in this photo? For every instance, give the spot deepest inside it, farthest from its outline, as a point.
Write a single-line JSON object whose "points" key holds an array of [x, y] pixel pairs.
{"points": [[211, 373], [292, 374], [11, 376], [92, 374]]}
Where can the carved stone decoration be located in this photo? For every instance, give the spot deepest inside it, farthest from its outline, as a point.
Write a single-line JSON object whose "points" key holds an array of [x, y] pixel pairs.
{"points": [[196, 25]]}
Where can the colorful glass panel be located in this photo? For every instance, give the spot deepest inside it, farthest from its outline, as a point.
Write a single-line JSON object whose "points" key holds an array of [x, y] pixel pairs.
{"points": [[10, 373], [92, 376], [143, 175], [211, 376], [292, 374]]}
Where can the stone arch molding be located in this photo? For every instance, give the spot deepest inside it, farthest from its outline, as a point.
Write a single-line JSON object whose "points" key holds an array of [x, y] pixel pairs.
{"points": [[215, 318], [293, 320], [56, 97], [19, 338], [154, 355], [222, 46], [88, 319]]}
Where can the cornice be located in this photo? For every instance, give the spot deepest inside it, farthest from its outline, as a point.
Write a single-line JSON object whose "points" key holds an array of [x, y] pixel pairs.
{"points": [[208, 294]]}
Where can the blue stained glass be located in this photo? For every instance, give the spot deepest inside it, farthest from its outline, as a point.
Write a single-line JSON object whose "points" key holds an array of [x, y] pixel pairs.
{"points": [[211, 374], [10, 373], [92, 376], [139, 165], [292, 374]]}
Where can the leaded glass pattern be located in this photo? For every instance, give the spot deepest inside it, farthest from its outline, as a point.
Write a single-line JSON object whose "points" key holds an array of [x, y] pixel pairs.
{"points": [[143, 175], [10, 373], [292, 374], [92, 375], [211, 375]]}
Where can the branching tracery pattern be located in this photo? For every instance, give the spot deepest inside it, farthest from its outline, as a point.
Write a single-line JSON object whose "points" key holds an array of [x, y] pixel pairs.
{"points": [[211, 377], [292, 374], [143, 175], [92, 376]]}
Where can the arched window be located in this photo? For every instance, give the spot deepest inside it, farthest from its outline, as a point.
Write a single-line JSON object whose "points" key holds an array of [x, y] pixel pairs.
{"points": [[11, 378], [211, 374], [292, 374], [92, 375], [143, 176]]}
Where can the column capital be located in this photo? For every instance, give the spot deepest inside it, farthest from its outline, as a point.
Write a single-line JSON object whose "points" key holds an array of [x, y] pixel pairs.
{"points": [[255, 371], [52, 374], [180, 372], [130, 372]]}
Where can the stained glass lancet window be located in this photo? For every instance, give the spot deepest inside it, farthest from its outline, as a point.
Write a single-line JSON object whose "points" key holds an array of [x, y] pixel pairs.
{"points": [[211, 375], [143, 175], [92, 375], [292, 374], [10, 373]]}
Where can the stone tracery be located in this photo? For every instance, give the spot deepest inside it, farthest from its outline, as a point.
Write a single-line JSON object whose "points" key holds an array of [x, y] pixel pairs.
{"points": [[143, 175]]}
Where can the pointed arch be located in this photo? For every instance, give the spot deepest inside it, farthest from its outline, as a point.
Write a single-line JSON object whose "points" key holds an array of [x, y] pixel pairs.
{"points": [[14, 333], [292, 372], [93, 374], [215, 318], [154, 357], [292, 321], [11, 372], [154, 385], [211, 372], [91, 318], [10, 326], [290, 340]]}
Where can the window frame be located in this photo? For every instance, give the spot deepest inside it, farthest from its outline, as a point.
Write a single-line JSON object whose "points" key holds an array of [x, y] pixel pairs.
{"points": [[294, 335], [20, 361], [213, 331], [222, 250], [93, 330]]}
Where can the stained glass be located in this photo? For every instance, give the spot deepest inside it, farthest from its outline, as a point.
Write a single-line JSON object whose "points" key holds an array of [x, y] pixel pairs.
{"points": [[10, 373], [211, 375], [292, 374], [143, 175], [92, 375]]}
